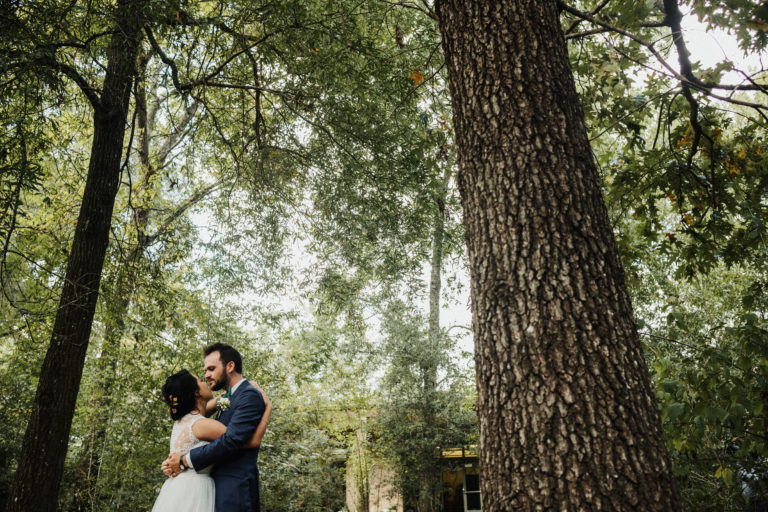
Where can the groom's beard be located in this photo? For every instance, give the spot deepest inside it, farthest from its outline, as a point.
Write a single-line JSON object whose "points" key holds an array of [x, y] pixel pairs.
{"points": [[221, 383]]}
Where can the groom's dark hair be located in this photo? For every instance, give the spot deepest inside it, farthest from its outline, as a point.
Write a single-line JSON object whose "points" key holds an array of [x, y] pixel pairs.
{"points": [[227, 354]]}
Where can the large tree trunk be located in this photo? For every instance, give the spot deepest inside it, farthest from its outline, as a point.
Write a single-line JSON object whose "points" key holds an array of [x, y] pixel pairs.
{"points": [[41, 462], [567, 415], [122, 288]]}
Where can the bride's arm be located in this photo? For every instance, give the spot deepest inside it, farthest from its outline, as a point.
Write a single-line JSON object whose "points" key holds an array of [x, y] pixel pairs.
{"points": [[207, 429], [210, 407], [255, 441]]}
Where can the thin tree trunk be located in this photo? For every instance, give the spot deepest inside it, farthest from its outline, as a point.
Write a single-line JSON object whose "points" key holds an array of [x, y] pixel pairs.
{"points": [[435, 280], [567, 415], [430, 478], [41, 462]]}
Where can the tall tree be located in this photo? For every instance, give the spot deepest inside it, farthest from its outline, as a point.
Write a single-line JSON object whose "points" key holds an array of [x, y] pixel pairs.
{"points": [[46, 437], [118, 294], [566, 411]]}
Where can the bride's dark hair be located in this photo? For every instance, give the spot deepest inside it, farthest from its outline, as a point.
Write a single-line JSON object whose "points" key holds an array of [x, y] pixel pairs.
{"points": [[179, 393]]}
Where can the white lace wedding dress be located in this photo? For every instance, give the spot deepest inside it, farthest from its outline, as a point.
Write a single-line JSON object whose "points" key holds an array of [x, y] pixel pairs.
{"points": [[191, 491]]}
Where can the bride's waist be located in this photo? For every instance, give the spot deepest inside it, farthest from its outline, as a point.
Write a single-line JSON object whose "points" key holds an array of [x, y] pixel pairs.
{"points": [[189, 473]]}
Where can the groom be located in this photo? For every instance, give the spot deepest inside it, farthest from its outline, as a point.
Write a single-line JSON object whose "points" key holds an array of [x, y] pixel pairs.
{"points": [[237, 472]]}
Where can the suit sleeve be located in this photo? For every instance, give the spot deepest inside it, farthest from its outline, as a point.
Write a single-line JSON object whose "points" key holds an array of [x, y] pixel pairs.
{"points": [[245, 417]]}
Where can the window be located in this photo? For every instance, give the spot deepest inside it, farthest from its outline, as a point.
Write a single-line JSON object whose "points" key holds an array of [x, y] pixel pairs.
{"points": [[472, 500]]}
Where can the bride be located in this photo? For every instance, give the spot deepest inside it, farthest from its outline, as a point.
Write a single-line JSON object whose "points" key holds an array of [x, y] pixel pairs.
{"points": [[189, 399]]}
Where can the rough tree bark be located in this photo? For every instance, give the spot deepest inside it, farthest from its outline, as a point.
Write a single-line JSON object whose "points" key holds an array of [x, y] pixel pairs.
{"points": [[567, 415], [41, 462]]}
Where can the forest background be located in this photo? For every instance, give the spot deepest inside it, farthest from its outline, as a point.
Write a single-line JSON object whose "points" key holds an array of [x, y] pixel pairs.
{"points": [[287, 184]]}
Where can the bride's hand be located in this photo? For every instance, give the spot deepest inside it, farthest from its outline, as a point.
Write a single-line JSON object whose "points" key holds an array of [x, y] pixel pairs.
{"points": [[263, 395], [171, 465]]}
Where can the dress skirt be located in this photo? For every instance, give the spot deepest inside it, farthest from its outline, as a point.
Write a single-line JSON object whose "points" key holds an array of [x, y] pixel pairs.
{"points": [[188, 492]]}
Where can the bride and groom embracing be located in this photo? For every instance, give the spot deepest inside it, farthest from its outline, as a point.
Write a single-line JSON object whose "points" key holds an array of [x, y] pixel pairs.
{"points": [[214, 462]]}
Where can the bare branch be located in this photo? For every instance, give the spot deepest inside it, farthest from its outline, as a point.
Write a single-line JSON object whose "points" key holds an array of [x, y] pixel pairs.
{"points": [[593, 12], [84, 45], [166, 60], [155, 103], [48, 60], [208, 79], [576, 35], [183, 207], [178, 133], [430, 10], [82, 83], [672, 20]]}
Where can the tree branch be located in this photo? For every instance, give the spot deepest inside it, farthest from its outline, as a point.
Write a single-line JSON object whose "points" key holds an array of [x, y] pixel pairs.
{"points": [[695, 83], [576, 35], [186, 205], [175, 137], [426, 10], [183, 18], [48, 60], [593, 12], [166, 60], [80, 45], [206, 80], [672, 20]]}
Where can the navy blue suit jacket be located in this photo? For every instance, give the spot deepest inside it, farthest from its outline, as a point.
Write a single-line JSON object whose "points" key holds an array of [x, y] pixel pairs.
{"points": [[237, 471]]}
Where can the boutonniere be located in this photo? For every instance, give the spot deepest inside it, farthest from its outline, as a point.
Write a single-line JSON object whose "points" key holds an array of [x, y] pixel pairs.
{"points": [[222, 404]]}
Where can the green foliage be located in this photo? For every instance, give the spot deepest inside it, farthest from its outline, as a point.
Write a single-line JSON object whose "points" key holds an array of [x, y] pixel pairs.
{"points": [[660, 151], [685, 181], [708, 357], [414, 419]]}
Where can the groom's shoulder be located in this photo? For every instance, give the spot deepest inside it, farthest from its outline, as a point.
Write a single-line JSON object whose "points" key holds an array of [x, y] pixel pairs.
{"points": [[250, 398], [250, 392]]}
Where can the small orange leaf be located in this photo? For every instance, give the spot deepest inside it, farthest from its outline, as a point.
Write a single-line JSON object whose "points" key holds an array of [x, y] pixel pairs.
{"points": [[688, 218], [417, 77]]}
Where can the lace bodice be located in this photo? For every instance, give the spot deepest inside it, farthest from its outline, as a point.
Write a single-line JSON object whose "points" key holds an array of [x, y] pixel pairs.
{"points": [[182, 438]]}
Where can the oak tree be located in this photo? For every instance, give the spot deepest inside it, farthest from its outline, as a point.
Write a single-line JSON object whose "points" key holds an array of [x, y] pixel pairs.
{"points": [[566, 411]]}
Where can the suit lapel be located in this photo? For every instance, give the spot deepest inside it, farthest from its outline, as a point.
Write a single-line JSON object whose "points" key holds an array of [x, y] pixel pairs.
{"points": [[224, 417]]}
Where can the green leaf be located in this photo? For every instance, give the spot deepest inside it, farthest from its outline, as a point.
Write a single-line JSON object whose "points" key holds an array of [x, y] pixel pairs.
{"points": [[675, 410]]}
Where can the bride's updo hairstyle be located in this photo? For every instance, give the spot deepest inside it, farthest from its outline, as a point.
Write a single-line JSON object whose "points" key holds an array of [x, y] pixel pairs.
{"points": [[179, 393]]}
